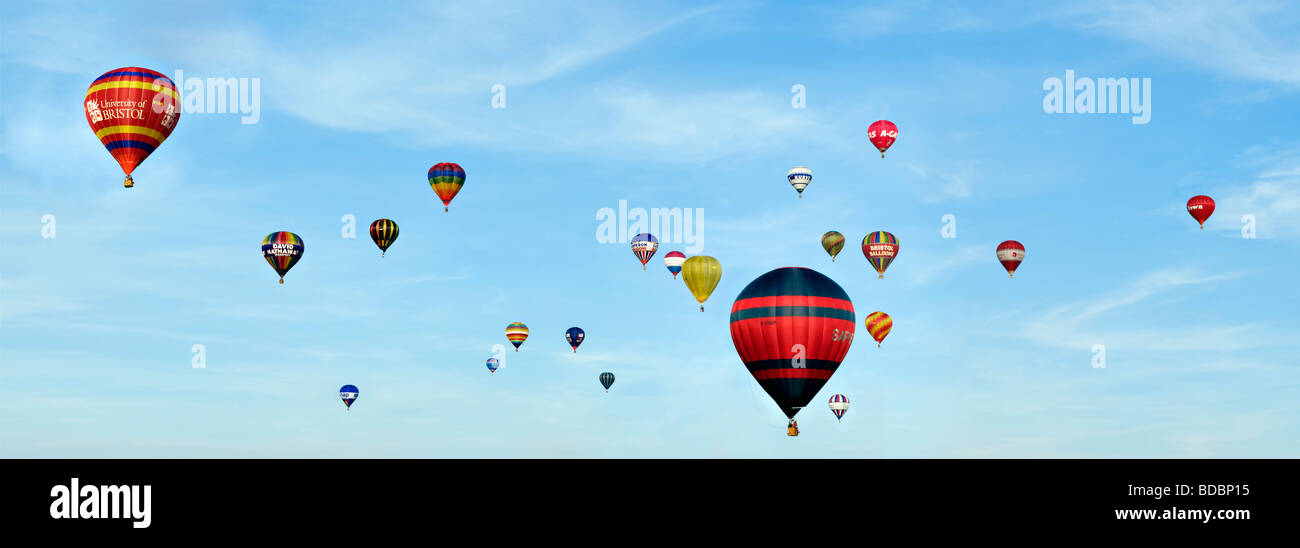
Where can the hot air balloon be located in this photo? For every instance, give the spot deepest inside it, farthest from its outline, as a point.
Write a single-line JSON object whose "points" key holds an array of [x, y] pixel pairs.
{"points": [[348, 394], [384, 233], [878, 325], [446, 179], [132, 110], [493, 364], [607, 380], [673, 260], [880, 248], [882, 134], [839, 406], [575, 335], [799, 178], [792, 328], [644, 246], [701, 274], [1201, 207], [282, 250], [1010, 253], [833, 242], [516, 333]]}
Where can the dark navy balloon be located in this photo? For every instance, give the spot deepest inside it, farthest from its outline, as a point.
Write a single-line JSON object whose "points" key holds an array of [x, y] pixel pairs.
{"points": [[575, 335], [607, 380], [348, 394]]}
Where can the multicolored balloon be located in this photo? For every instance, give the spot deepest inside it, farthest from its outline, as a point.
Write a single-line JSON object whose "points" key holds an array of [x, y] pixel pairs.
{"points": [[880, 248], [673, 260], [575, 335], [792, 327], [607, 380], [516, 333], [348, 394], [839, 406], [132, 110], [833, 243], [384, 233], [493, 364], [446, 179], [282, 250], [1010, 254], [799, 178], [878, 325], [882, 133], [701, 274], [644, 246], [1201, 207]]}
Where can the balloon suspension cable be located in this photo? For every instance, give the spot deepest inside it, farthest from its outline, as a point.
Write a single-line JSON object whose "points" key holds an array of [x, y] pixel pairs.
{"points": [[129, 182]]}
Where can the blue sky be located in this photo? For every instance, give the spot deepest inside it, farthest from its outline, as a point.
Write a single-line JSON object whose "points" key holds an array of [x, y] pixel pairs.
{"points": [[675, 105]]}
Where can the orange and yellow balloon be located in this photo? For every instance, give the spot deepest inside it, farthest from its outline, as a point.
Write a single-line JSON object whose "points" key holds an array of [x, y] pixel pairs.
{"points": [[879, 324]]}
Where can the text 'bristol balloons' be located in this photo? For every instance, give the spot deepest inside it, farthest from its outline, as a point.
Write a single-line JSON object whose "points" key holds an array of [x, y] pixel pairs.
{"points": [[799, 178], [792, 327], [1010, 254], [446, 179], [384, 233], [882, 133], [878, 325], [673, 260], [880, 248], [607, 380], [644, 246], [701, 274], [575, 335], [833, 242], [348, 394], [516, 333], [493, 364], [282, 250], [1201, 207], [839, 405], [132, 110]]}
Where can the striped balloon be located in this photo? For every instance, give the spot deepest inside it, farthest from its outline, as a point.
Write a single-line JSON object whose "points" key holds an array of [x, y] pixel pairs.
{"points": [[493, 364], [799, 178], [880, 248], [833, 243], [282, 250], [879, 324], [673, 260], [384, 233], [607, 380], [1010, 254], [132, 110], [644, 246], [516, 333], [839, 406], [792, 327], [446, 179]]}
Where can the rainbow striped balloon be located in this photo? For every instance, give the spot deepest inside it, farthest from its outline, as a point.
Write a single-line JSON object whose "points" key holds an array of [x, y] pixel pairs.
{"points": [[879, 324], [516, 332], [282, 250], [132, 110], [880, 248], [446, 179]]}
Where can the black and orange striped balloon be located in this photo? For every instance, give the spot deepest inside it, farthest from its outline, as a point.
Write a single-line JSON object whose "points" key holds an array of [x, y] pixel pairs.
{"points": [[384, 233], [792, 327]]}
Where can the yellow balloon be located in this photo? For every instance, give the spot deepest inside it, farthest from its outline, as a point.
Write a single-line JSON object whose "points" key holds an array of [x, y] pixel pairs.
{"points": [[701, 274]]}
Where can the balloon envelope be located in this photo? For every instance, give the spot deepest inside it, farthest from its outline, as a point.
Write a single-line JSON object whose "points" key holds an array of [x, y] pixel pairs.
{"points": [[1200, 208], [607, 380], [1010, 254], [799, 178], [348, 394], [384, 233], [282, 250], [516, 333], [880, 248], [882, 133], [644, 246], [833, 243], [839, 405], [132, 110], [446, 179], [575, 335], [878, 325], [673, 260], [493, 364], [701, 274], [792, 327]]}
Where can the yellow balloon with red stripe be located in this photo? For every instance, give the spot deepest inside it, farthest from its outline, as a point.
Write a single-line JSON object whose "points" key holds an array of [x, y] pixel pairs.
{"points": [[132, 110], [878, 325]]}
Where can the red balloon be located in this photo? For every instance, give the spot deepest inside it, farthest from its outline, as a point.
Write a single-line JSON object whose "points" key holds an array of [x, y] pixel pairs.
{"points": [[132, 110], [1200, 207], [882, 133], [1010, 254]]}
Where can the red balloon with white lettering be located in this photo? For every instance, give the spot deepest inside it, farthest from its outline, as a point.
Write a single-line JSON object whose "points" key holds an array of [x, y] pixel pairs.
{"points": [[882, 133], [132, 110], [1201, 207]]}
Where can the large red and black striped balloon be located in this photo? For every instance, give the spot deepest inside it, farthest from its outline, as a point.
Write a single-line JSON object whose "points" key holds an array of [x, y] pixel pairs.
{"points": [[792, 328]]}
